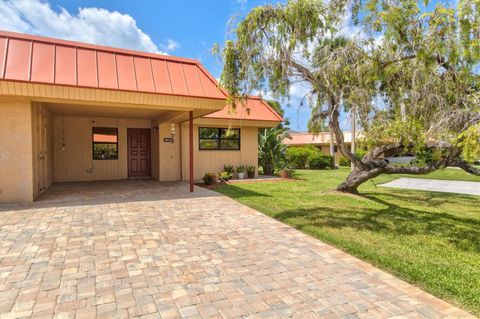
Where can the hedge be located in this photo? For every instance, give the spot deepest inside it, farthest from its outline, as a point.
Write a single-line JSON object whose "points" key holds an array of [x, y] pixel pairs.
{"points": [[308, 157]]}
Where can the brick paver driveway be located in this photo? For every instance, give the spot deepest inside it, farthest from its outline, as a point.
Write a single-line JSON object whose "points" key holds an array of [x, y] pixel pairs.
{"points": [[139, 248]]}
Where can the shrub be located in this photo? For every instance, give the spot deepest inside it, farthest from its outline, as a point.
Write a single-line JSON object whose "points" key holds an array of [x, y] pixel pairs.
{"points": [[297, 157], [346, 162], [261, 171], [209, 178], [318, 160], [228, 168], [224, 177], [241, 169]]}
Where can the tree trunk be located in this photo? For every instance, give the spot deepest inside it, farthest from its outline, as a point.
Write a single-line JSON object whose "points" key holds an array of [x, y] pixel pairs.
{"points": [[356, 178]]}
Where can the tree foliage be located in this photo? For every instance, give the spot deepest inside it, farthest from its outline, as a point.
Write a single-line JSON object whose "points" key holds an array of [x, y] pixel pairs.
{"points": [[410, 76]]}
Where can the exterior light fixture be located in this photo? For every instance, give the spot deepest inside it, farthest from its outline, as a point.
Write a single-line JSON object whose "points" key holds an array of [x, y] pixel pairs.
{"points": [[172, 132]]}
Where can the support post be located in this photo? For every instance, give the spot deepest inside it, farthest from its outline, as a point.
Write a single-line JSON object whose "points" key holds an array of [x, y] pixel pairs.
{"points": [[190, 147]]}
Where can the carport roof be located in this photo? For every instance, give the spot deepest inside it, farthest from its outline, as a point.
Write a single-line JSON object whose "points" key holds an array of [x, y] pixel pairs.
{"points": [[27, 58]]}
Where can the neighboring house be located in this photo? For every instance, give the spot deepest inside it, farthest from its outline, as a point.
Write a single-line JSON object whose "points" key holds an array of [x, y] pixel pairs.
{"points": [[78, 112], [319, 140]]}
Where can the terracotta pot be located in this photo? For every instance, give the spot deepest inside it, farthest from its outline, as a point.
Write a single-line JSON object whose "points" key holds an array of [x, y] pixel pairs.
{"points": [[284, 173]]}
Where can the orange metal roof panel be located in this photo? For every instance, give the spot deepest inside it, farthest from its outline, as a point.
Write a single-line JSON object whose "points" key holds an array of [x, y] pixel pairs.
{"points": [[65, 65], [87, 68], [194, 85], [143, 74], [107, 70], [18, 60], [45, 60], [253, 108], [208, 85], [177, 78], [42, 62], [161, 77], [126, 73], [3, 52]]}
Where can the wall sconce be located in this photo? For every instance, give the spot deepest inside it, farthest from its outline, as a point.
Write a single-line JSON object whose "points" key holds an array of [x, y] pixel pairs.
{"points": [[171, 138], [172, 133]]}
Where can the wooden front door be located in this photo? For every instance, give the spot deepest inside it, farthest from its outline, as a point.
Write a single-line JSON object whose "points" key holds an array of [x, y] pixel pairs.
{"points": [[138, 152]]}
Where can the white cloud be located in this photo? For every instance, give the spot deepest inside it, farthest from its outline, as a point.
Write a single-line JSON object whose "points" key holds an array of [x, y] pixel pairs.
{"points": [[242, 3], [91, 25], [170, 45]]}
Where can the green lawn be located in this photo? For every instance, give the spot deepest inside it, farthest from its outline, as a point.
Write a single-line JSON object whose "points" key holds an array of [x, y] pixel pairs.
{"points": [[429, 239]]}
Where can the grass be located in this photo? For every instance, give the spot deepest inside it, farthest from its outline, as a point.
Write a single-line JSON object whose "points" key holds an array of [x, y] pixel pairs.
{"points": [[429, 239]]}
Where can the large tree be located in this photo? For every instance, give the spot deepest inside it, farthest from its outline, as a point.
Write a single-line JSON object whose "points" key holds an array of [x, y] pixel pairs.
{"points": [[408, 73]]}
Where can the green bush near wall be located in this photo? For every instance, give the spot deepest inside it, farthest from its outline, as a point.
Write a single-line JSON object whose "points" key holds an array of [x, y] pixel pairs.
{"points": [[318, 160], [308, 157], [343, 161], [298, 156]]}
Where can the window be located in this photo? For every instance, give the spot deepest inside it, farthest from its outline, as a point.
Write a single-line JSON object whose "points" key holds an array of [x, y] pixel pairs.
{"points": [[219, 138], [105, 143]]}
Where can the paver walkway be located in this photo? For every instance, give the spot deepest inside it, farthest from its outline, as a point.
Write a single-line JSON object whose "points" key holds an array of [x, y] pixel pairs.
{"points": [[436, 185], [143, 249]]}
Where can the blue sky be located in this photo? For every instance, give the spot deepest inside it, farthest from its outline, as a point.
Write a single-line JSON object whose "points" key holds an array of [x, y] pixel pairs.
{"points": [[187, 28]]}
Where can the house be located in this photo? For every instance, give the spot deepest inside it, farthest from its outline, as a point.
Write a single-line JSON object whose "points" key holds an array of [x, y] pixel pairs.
{"points": [[319, 140], [72, 111]]}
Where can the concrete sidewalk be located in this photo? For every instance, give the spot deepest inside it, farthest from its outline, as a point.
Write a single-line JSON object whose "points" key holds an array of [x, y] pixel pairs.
{"points": [[436, 185]]}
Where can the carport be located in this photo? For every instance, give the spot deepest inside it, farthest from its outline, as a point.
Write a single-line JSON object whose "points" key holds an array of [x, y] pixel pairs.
{"points": [[78, 112]]}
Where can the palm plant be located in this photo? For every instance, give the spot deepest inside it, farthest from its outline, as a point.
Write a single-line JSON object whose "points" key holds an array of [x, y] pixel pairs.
{"points": [[271, 150]]}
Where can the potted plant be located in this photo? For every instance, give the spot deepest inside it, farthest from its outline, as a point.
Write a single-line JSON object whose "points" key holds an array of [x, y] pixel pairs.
{"points": [[286, 170], [224, 177], [251, 171], [209, 178], [241, 172], [229, 170]]}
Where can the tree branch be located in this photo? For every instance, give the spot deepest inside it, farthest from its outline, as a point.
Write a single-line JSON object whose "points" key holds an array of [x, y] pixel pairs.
{"points": [[467, 168], [335, 127]]}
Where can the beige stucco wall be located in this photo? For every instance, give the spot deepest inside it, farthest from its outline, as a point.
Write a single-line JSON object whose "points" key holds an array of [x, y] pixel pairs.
{"points": [[169, 155], [42, 148], [16, 171], [326, 150], [213, 161], [75, 163]]}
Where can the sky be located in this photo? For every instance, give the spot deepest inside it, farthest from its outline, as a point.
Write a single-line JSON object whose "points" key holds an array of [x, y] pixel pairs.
{"points": [[186, 28]]}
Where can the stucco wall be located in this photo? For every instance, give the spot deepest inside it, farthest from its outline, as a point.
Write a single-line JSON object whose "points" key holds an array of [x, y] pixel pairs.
{"points": [[169, 156], [16, 171], [42, 148], [338, 155], [76, 163], [213, 161]]}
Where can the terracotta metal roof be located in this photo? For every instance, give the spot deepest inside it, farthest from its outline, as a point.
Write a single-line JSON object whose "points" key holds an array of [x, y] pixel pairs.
{"points": [[254, 108], [36, 59], [321, 138]]}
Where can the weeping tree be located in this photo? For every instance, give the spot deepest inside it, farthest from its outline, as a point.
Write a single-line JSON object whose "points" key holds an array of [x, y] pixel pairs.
{"points": [[409, 74]]}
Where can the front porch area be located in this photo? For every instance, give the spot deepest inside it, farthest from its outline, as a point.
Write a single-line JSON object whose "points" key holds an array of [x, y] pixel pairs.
{"points": [[75, 143]]}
